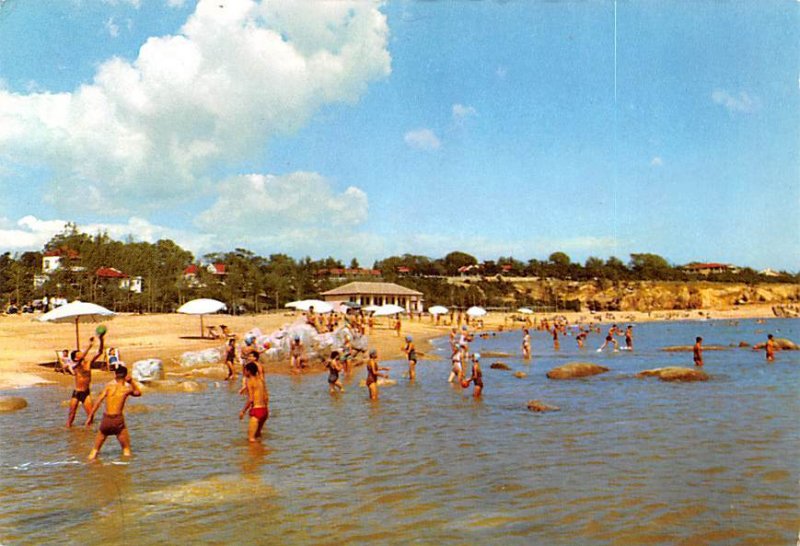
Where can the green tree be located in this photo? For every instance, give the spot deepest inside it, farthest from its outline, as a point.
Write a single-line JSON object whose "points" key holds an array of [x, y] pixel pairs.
{"points": [[455, 260]]}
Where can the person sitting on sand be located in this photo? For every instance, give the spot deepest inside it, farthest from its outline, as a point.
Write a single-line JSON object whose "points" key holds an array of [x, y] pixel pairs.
{"points": [[526, 344], [411, 353], [334, 369], [697, 352], [257, 401], [64, 363], [82, 394], [112, 358], [373, 373], [113, 424], [477, 376]]}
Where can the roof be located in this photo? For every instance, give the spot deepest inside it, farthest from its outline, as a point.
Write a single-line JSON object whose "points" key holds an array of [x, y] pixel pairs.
{"points": [[217, 269], [62, 252], [110, 273], [707, 266], [377, 288], [190, 270]]}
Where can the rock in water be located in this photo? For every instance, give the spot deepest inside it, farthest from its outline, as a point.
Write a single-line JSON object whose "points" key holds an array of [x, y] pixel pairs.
{"points": [[520, 375], [781, 344], [743, 344], [12, 403], [500, 366], [539, 406], [675, 373], [150, 369], [576, 369]]}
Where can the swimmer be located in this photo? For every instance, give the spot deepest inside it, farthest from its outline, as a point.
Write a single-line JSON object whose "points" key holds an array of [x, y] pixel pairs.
{"points": [[230, 358], [580, 338], [613, 331], [697, 351], [297, 355], [629, 337], [556, 345], [82, 394], [526, 344], [411, 353], [113, 424], [334, 369], [457, 371], [769, 347], [257, 402], [373, 373], [477, 376]]}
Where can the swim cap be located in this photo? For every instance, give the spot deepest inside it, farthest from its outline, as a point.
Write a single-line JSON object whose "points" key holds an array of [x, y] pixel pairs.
{"points": [[373, 353], [476, 356], [297, 338], [408, 338]]}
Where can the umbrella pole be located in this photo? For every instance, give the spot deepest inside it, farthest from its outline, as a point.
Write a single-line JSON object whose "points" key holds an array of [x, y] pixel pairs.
{"points": [[201, 326], [77, 335]]}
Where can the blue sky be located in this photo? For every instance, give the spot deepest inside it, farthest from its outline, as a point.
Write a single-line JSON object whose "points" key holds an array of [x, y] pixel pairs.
{"points": [[367, 130]]}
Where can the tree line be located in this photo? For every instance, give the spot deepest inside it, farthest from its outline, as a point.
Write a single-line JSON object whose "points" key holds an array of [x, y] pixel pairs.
{"points": [[254, 283]]}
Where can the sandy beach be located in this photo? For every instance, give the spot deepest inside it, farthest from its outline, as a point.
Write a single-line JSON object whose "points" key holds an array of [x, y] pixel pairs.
{"points": [[27, 347]]}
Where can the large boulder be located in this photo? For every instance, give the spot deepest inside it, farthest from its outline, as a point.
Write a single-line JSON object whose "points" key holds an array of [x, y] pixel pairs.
{"points": [[500, 366], [576, 369], [12, 403], [540, 407], [782, 344], [675, 373], [150, 369]]}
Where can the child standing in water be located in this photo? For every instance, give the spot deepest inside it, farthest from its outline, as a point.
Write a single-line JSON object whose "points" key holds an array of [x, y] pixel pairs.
{"points": [[113, 424]]}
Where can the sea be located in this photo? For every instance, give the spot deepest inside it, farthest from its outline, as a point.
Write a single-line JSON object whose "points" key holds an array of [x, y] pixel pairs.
{"points": [[624, 461]]}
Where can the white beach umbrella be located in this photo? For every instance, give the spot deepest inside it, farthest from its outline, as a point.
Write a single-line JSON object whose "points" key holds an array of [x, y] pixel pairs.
{"points": [[293, 304], [476, 311], [525, 311], [389, 309], [371, 308], [201, 306], [77, 311], [438, 310], [318, 305]]}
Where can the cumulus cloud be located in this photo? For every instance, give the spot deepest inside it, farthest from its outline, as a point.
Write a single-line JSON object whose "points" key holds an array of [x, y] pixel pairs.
{"points": [[422, 139], [742, 103], [145, 133], [656, 162], [461, 112]]}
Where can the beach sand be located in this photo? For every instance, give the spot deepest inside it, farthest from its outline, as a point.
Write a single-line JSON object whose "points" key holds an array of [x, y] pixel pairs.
{"points": [[27, 347]]}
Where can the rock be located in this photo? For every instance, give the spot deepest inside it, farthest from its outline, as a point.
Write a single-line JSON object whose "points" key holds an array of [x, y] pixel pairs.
{"points": [[675, 373], [191, 386], [690, 348], [494, 354], [782, 344], [743, 344], [171, 385], [520, 375], [539, 406], [150, 369], [12, 403], [576, 369], [500, 366]]}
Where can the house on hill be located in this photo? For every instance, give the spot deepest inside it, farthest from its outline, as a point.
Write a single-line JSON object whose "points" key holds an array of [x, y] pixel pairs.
{"points": [[706, 269], [377, 293], [126, 282]]}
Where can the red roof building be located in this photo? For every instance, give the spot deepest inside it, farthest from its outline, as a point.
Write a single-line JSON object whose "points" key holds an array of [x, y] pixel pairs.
{"points": [[110, 273]]}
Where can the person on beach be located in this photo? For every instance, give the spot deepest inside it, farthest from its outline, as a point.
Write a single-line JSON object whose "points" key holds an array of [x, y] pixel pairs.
{"points": [[297, 355], [629, 338], [82, 394], [249, 347], [769, 347], [697, 352], [257, 401], [398, 325], [334, 369], [526, 344], [113, 358], [230, 358], [113, 424], [373, 373], [477, 377], [457, 370], [411, 353], [613, 331]]}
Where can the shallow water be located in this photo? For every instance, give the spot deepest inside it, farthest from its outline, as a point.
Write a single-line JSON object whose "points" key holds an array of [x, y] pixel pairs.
{"points": [[625, 461]]}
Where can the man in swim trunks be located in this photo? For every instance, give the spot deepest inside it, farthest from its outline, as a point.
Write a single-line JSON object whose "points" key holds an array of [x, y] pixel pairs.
{"points": [[411, 353], [113, 424], [82, 394], [334, 369], [613, 331], [257, 401], [373, 373], [526, 344], [697, 352], [477, 376], [629, 337], [769, 347]]}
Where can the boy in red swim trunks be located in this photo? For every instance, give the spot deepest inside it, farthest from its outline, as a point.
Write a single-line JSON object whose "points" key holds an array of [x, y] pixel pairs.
{"points": [[113, 424], [257, 401]]}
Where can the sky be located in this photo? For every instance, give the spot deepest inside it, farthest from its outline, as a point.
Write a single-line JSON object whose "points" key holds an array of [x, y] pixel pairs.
{"points": [[358, 129]]}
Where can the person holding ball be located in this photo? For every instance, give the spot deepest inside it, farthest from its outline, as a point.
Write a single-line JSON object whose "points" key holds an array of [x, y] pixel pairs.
{"points": [[82, 394]]}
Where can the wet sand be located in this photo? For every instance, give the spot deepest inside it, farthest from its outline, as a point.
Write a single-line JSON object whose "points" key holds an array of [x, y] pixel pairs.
{"points": [[26, 346]]}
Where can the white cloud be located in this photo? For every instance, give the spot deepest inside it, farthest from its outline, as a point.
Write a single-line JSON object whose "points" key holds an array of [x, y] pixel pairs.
{"points": [[111, 27], [656, 162], [422, 139], [144, 133], [742, 102], [461, 112]]}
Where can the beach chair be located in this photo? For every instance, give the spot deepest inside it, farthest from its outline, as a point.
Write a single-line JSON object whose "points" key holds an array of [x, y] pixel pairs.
{"points": [[213, 332], [64, 363], [112, 358]]}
